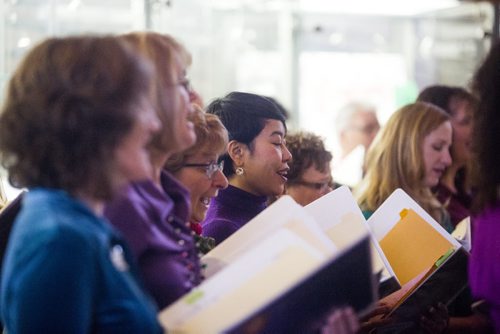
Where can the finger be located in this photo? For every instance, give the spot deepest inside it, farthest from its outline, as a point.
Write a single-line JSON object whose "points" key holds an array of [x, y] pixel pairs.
{"points": [[352, 320]]}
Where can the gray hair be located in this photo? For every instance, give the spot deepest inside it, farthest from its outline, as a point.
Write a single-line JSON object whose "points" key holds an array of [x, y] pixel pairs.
{"points": [[346, 113]]}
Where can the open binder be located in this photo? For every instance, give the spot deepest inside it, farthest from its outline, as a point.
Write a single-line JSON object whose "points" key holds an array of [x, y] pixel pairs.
{"points": [[340, 217], [284, 213], [277, 274], [429, 262]]}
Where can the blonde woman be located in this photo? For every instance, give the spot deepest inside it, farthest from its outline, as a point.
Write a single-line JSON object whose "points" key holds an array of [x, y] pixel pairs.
{"points": [[411, 152]]}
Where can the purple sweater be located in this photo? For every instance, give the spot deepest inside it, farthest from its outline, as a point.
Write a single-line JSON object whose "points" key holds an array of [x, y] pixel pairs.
{"points": [[229, 211], [153, 222], [484, 268]]}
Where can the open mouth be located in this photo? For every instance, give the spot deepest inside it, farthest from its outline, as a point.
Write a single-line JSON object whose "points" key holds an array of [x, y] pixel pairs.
{"points": [[439, 171], [283, 174], [205, 201]]}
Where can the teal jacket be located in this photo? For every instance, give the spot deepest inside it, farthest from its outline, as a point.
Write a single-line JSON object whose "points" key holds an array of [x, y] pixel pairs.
{"points": [[67, 271]]}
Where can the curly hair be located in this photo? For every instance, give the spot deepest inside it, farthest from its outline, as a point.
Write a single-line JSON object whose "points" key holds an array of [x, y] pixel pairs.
{"points": [[395, 159], [211, 136], [68, 105], [486, 128], [307, 150]]}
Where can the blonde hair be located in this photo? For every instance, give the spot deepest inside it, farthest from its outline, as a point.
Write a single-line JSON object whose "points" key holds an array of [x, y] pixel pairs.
{"points": [[395, 159], [211, 136], [167, 56]]}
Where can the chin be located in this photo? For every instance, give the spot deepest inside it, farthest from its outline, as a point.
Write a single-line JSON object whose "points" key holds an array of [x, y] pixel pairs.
{"points": [[277, 191], [433, 183]]}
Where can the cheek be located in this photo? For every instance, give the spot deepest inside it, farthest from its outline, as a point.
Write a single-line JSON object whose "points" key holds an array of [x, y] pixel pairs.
{"points": [[198, 185]]}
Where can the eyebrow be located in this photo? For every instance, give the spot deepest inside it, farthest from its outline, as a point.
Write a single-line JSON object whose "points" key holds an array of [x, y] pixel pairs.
{"points": [[279, 133]]}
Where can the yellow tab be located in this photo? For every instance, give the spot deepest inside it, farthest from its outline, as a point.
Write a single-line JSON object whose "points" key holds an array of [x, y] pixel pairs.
{"points": [[403, 213]]}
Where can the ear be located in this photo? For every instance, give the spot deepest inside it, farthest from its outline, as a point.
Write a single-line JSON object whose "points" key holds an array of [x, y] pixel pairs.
{"points": [[237, 152]]}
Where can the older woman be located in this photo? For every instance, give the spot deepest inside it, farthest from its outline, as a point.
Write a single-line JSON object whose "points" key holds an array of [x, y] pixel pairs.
{"points": [[199, 171], [73, 130], [411, 152], [153, 215], [310, 176]]}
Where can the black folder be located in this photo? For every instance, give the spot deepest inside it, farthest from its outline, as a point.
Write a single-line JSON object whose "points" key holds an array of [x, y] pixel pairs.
{"points": [[346, 280]]}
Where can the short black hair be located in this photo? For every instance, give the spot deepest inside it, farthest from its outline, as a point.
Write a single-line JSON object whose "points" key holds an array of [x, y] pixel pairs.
{"points": [[441, 96], [244, 115]]}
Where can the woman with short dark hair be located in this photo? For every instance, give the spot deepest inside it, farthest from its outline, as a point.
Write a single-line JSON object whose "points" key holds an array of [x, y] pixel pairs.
{"points": [[256, 162]]}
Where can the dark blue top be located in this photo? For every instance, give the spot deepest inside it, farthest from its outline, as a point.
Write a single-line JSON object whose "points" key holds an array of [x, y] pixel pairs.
{"points": [[154, 221], [229, 211], [67, 271]]}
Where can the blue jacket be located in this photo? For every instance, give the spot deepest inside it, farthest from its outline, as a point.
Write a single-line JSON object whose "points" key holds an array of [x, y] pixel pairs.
{"points": [[67, 271]]}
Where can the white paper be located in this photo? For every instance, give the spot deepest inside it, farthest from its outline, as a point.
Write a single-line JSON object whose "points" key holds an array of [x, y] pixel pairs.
{"points": [[254, 279], [285, 212]]}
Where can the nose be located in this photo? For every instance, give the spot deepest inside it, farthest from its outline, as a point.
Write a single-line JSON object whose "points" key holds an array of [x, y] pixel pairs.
{"points": [[195, 98], [219, 180], [287, 155], [447, 158], [326, 190], [151, 120]]}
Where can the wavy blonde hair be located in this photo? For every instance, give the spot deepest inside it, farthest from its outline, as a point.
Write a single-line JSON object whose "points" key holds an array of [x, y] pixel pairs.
{"points": [[395, 159]]}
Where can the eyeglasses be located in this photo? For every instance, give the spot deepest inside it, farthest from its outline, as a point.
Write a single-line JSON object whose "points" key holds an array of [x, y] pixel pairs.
{"points": [[209, 168], [316, 185]]}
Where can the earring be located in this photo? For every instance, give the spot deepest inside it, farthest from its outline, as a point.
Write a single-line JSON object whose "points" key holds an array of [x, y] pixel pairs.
{"points": [[240, 171]]}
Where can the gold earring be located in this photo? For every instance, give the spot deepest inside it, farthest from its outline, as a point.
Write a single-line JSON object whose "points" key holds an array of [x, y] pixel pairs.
{"points": [[240, 171]]}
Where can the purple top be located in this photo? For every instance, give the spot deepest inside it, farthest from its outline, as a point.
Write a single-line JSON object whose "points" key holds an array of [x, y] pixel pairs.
{"points": [[458, 205], [229, 211], [153, 222], [484, 267]]}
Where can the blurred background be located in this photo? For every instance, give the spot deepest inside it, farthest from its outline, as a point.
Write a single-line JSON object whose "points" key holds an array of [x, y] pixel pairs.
{"points": [[313, 56]]}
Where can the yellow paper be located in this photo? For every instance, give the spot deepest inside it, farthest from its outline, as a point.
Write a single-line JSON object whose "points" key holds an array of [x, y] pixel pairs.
{"points": [[412, 246]]}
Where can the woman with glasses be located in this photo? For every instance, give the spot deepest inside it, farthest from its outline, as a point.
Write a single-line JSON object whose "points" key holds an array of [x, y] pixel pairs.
{"points": [[309, 177], [256, 162], [199, 171], [152, 215]]}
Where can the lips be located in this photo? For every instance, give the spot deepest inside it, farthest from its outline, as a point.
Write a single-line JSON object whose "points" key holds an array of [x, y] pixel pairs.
{"points": [[438, 171], [283, 174]]}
